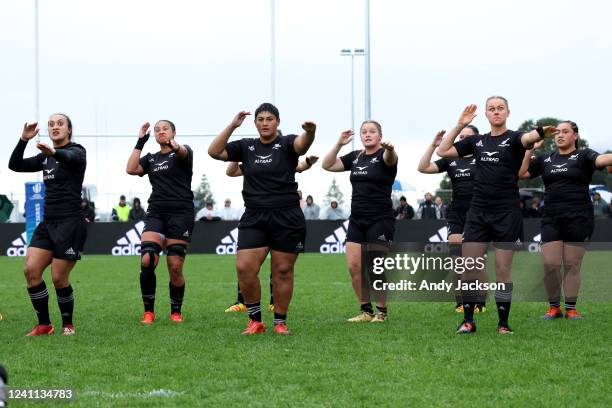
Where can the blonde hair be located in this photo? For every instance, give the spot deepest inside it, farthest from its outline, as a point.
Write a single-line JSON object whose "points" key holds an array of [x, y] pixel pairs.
{"points": [[498, 97], [375, 123]]}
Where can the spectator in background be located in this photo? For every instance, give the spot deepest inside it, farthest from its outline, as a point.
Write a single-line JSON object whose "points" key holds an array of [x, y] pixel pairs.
{"points": [[88, 211], [121, 212], [441, 208], [302, 201], [427, 209], [311, 210], [535, 208], [208, 213], [334, 212], [227, 213], [136, 213], [404, 211], [600, 206]]}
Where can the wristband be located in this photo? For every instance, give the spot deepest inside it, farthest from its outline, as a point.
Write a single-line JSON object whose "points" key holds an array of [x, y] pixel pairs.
{"points": [[540, 131], [141, 142]]}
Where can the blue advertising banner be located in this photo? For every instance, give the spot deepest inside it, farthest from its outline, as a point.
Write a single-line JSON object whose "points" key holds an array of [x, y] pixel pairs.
{"points": [[34, 206]]}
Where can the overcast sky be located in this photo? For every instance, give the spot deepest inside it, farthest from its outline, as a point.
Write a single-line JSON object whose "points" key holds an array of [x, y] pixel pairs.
{"points": [[112, 65]]}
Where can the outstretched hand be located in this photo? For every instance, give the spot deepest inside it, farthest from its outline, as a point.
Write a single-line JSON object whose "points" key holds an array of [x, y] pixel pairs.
{"points": [[467, 116], [312, 159], [45, 149], [550, 131], [387, 145], [29, 130], [438, 138], [309, 126], [239, 118], [144, 130], [173, 145], [346, 137]]}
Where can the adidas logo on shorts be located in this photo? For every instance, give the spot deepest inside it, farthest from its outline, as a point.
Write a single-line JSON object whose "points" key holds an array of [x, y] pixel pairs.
{"points": [[334, 244], [70, 251], [229, 243], [18, 246], [129, 244]]}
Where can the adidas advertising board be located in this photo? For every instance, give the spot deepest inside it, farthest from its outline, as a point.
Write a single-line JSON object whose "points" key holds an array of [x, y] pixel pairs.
{"points": [[334, 243], [325, 237], [18, 246], [437, 243], [228, 244], [129, 244]]}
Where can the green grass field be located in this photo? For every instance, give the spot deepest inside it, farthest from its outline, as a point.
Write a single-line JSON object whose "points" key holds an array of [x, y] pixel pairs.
{"points": [[413, 359]]}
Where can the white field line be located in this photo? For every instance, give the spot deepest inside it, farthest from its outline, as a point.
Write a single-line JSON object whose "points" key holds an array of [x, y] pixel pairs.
{"points": [[117, 395]]}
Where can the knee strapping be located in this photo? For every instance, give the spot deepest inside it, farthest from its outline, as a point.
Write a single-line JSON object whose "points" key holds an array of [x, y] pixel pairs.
{"points": [[149, 249], [177, 250]]}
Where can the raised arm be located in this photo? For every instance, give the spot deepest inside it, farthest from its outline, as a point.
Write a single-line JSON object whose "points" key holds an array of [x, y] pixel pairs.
{"points": [[604, 160], [331, 161], [73, 157], [233, 169], [446, 148], [307, 163], [180, 150], [425, 164], [17, 162], [302, 143], [540, 133], [524, 170], [389, 155], [216, 150], [133, 165]]}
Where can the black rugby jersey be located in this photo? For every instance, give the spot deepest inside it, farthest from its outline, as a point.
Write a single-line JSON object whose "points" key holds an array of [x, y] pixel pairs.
{"points": [[170, 178], [268, 170], [63, 175], [566, 179], [371, 180], [498, 161], [461, 173]]}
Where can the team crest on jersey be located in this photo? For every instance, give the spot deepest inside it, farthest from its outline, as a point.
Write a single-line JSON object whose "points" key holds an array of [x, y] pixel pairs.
{"points": [[473, 161], [573, 157], [251, 148], [172, 154], [276, 146], [374, 160], [548, 160], [479, 144], [504, 143], [453, 164]]}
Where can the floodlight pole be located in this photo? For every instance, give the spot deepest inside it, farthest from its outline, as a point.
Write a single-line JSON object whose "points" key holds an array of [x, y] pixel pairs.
{"points": [[368, 103]]}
